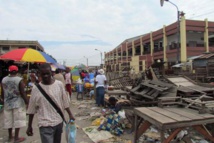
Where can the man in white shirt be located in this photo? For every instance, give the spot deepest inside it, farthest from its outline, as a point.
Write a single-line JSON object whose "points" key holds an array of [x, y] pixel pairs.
{"points": [[49, 120], [100, 83]]}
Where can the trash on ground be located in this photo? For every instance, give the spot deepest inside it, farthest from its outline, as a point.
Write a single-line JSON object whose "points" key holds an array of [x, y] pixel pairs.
{"points": [[116, 140], [96, 135], [96, 114], [98, 121], [82, 118], [83, 113], [82, 106]]}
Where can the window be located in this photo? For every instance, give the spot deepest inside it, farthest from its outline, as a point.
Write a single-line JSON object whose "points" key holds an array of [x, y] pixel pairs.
{"points": [[5, 48], [192, 43], [160, 44]]}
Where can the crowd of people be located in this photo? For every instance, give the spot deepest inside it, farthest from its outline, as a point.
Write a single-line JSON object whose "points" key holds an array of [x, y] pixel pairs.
{"points": [[44, 82]]}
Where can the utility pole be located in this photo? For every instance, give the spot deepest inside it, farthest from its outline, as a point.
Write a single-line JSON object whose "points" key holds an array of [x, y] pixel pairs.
{"points": [[86, 60], [101, 55], [178, 27]]}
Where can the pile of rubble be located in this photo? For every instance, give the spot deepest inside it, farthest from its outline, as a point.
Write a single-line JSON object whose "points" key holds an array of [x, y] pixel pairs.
{"points": [[152, 135]]}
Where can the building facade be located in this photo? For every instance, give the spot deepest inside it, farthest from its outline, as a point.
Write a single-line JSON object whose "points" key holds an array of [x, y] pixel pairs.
{"points": [[195, 38], [8, 45]]}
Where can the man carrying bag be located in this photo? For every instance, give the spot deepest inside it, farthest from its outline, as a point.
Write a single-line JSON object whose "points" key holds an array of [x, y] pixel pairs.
{"points": [[48, 100]]}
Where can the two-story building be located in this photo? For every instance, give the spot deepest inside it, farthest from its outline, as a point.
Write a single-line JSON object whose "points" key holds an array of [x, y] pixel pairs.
{"points": [[8, 45], [195, 38]]}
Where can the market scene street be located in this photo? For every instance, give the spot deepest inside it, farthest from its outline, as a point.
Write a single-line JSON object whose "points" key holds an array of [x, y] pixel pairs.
{"points": [[78, 71]]}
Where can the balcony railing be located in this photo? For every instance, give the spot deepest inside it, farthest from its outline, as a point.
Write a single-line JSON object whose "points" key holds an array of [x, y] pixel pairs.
{"points": [[146, 52], [195, 45], [158, 49]]}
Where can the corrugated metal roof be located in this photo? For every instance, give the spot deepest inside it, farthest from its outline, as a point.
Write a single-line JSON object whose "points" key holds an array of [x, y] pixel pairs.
{"points": [[205, 56], [131, 39], [194, 57]]}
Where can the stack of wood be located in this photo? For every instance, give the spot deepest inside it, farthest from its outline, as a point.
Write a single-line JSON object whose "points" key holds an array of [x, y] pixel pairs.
{"points": [[148, 92], [121, 82]]}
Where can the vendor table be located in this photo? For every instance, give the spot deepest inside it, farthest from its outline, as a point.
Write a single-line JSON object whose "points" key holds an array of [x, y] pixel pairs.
{"points": [[172, 118]]}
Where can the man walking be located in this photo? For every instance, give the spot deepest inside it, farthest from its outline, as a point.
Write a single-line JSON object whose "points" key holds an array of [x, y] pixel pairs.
{"points": [[14, 98], [49, 120]]}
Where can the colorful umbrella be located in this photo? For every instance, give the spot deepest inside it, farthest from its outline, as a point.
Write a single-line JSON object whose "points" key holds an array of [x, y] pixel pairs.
{"points": [[28, 55], [81, 66], [55, 66], [75, 74]]}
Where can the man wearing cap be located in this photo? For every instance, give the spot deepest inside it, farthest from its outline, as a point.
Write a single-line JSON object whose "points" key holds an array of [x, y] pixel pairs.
{"points": [[14, 98]]}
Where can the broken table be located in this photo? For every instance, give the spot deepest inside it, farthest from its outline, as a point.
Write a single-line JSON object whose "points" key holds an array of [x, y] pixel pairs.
{"points": [[171, 118]]}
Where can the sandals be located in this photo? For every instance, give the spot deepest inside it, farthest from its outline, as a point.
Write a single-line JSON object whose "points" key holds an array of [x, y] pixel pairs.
{"points": [[20, 139]]}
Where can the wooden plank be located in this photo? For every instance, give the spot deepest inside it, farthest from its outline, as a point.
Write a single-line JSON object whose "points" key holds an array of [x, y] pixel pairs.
{"points": [[202, 130], [117, 92], [201, 88], [188, 123], [145, 90], [151, 92], [154, 115], [155, 87], [162, 84], [155, 94], [172, 115], [184, 89], [135, 89], [172, 135], [147, 96], [190, 113], [142, 129], [195, 101], [206, 115]]}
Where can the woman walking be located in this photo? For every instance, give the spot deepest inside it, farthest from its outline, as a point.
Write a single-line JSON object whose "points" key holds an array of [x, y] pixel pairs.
{"points": [[68, 81], [100, 82]]}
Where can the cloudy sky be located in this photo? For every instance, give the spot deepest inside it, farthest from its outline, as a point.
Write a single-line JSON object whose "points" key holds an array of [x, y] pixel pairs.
{"points": [[72, 29]]}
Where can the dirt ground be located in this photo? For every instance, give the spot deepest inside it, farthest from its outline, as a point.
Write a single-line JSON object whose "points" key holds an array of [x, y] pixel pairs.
{"points": [[80, 138]]}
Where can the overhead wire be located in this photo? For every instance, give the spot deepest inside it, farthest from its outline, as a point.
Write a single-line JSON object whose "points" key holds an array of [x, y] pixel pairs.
{"points": [[202, 14], [80, 58], [77, 61]]}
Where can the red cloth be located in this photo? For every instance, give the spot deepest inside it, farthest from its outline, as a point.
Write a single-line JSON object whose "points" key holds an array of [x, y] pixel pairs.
{"points": [[68, 88], [82, 74]]}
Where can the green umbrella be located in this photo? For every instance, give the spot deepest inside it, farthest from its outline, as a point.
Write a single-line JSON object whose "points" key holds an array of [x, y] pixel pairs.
{"points": [[81, 66], [75, 72]]}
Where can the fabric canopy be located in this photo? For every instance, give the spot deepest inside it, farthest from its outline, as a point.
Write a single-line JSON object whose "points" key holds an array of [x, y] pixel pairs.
{"points": [[28, 55]]}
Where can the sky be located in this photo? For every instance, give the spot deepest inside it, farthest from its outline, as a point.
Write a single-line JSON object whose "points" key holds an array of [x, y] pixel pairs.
{"points": [[71, 30]]}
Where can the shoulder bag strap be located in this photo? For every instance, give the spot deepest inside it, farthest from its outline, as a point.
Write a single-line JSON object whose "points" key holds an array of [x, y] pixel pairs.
{"points": [[51, 101]]}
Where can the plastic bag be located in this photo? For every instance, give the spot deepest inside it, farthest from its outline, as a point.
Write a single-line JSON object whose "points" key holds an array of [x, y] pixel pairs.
{"points": [[79, 81], [122, 114], [71, 132], [96, 122]]}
